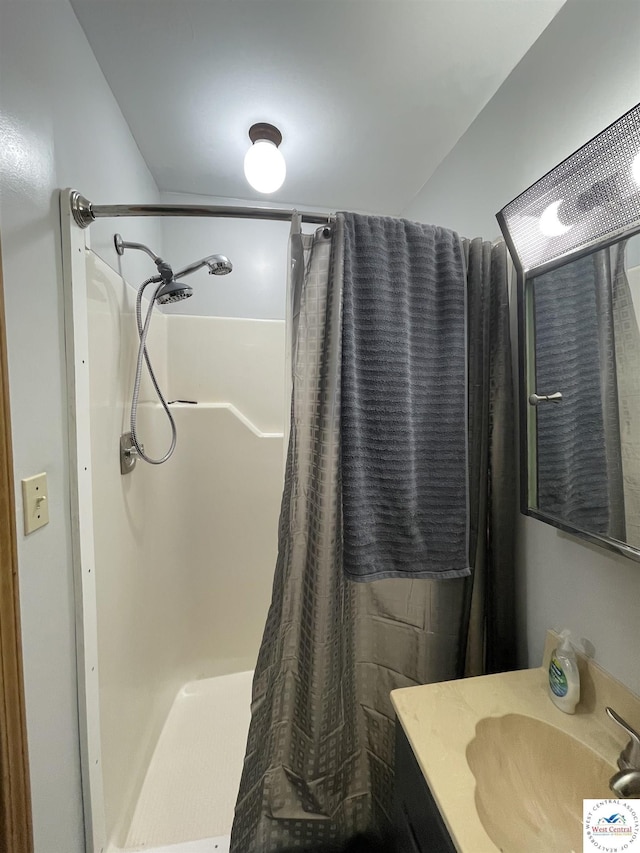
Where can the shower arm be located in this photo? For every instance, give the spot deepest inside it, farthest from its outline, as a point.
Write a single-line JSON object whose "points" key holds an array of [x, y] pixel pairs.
{"points": [[121, 245], [166, 273]]}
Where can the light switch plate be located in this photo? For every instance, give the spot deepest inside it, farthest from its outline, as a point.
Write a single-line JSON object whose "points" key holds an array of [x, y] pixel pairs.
{"points": [[35, 502]]}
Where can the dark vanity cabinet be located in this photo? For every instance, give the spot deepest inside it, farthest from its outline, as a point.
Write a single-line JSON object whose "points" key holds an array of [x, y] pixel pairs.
{"points": [[418, 823]]}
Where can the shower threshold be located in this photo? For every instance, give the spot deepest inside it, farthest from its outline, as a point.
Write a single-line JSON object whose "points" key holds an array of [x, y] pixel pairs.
{"points": [[203, 845], [187, 800]]}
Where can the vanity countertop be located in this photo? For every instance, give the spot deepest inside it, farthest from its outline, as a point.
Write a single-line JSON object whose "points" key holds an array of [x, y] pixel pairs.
{"points": [[440, 722]]}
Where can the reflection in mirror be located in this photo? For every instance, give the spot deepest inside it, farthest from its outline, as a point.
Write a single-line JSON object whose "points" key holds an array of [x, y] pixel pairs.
{"points": [[585, 356]]}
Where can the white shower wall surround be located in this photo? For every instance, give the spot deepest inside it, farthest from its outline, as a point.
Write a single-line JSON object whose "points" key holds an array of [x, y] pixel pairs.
{"points": [[224, 359], [185, 551]]}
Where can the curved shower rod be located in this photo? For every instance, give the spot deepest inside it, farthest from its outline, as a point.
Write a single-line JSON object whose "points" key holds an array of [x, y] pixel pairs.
{"points": [[84, 212]]}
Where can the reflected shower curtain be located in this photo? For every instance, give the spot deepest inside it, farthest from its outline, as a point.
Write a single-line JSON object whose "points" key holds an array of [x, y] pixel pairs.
{"points": [[627, 344], [578, 446], [320, 752]]}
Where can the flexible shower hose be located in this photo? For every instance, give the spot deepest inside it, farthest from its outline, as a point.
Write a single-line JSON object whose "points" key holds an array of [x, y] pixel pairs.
{"points": [[143, 354]]}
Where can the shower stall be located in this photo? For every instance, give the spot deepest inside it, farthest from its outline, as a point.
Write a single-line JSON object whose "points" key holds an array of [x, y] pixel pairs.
{"points": [[173, 562]]}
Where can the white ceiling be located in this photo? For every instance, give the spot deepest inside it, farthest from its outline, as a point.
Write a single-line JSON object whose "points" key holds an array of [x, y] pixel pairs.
{"points": [[370, 95]]}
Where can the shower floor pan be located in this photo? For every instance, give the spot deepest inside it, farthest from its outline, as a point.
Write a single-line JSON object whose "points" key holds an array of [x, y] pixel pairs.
{"points": [[189, 793]]}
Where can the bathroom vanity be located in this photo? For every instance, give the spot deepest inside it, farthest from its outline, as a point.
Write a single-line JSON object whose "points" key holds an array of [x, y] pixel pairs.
{"points": [[418, 823], [489, 764]]}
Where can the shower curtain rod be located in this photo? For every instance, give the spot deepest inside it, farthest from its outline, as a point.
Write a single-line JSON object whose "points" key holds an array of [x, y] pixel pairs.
{"points": [[84, 212]]}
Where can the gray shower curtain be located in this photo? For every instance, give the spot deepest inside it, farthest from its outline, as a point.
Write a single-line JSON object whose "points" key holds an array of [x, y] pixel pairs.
{"points": [[493, 462], [320, 752]]}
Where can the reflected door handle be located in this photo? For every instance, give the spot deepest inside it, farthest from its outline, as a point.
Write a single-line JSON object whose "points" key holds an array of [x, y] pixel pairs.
{"points": [[536, 399]]}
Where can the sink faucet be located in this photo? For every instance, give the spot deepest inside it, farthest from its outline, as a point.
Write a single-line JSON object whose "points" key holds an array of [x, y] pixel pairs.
{"points": [[626, 783]]}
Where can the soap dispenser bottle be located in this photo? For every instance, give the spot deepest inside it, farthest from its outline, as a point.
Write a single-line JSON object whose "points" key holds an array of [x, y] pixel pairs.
{"points": [[564, 677]]}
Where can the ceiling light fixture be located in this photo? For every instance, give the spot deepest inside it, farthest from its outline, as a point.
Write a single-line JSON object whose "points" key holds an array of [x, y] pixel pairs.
{"points": [[264, 165]]}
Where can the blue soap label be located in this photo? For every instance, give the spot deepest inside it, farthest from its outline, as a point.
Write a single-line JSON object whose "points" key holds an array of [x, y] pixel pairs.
{"points": [[557, 678]]}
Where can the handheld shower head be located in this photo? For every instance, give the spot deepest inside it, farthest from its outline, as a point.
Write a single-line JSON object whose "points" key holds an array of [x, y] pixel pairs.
{"points": [[218, 264]]}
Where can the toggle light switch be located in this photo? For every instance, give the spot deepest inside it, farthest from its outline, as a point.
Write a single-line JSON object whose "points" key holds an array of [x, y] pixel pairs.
{"points": [[35, 502]]}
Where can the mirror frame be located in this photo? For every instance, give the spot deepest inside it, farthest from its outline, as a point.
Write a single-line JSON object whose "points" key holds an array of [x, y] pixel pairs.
{"points": [[526, 385]]}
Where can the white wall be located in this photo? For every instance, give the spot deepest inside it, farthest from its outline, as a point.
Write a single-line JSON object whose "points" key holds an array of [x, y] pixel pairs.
{"points": [[59, 126], [184, 551], [581, 74], [257, 249]]}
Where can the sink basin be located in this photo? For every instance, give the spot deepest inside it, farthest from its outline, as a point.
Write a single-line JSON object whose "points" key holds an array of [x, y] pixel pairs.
{"points": [[531, 779]]}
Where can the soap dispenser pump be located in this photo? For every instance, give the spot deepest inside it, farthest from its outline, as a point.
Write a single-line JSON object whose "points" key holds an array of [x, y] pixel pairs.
{"points": [[564, 677]]}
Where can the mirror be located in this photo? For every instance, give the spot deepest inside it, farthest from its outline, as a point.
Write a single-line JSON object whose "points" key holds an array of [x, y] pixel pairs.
{"points": [[580, 399]]}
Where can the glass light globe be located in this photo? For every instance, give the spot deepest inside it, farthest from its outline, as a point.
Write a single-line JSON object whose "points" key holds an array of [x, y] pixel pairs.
{"points": [[264, 166]]}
